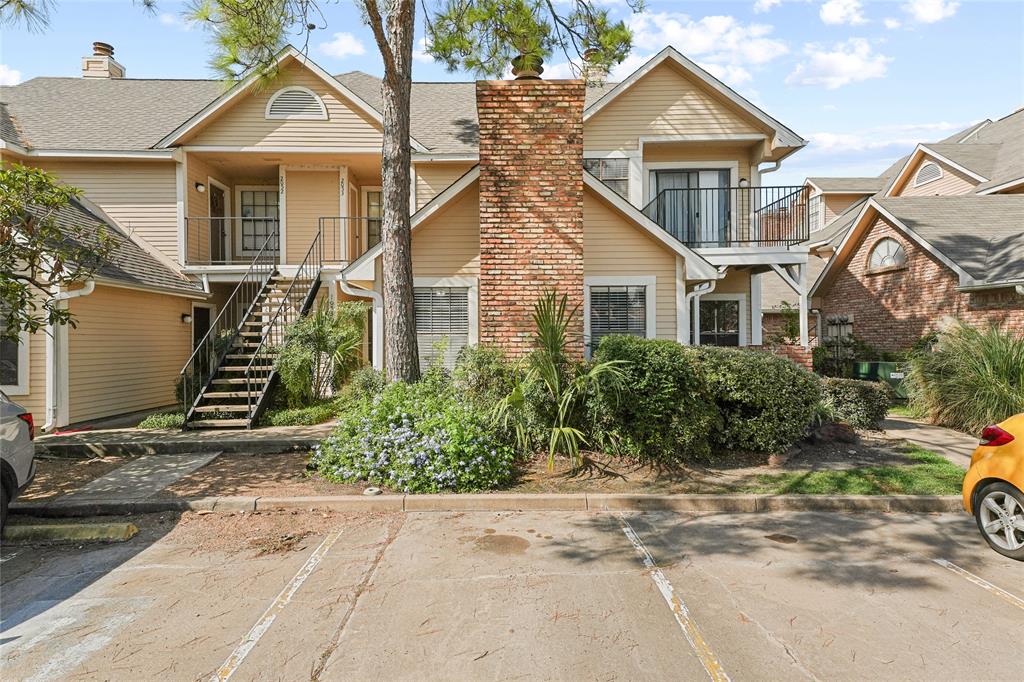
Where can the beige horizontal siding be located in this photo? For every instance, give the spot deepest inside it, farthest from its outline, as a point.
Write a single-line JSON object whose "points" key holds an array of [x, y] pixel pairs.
{"points": [[613, 246], [837, 203], [245, 123], [434, 178], [952, 183], [140, 197], [309, 196], [664, 102], [126, 352], [449, 243]]}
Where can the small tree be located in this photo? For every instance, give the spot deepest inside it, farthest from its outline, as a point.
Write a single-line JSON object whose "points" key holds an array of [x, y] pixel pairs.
{"points": [[38, 254], [321, 351]]}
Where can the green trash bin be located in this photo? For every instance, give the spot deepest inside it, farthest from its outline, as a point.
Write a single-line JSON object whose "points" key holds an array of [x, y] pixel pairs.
{"points": [[892, 373]]}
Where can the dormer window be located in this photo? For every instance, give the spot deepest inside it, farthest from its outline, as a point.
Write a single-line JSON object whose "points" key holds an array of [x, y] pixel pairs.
{"points": [[928, 172], [296, 102]]}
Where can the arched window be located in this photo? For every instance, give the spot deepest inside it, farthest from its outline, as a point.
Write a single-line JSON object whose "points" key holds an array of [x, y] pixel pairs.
{"points": [[887, 253], [296, 102], [928, 172]]}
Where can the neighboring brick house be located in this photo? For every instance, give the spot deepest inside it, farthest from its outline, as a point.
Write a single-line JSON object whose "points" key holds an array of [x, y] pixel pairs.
{"points": [[910, 265], [640, 200]]}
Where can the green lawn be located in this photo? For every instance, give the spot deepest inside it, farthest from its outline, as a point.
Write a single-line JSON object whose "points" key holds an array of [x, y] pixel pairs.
{"points": [[931, 474], [903, 411]]}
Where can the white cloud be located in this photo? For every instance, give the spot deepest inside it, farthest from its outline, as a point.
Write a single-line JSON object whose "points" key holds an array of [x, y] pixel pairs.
{"points": [[175, 21], [842, 12], [761, 6], [9, 76], [419, 52], [729, 73], [930, 11], [883, 137], [846, 62], [343, 45], [715, 39], [830, 107], [891, 23]]}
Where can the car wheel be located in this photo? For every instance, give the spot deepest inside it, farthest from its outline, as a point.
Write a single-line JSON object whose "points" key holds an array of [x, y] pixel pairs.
{"points": [[1000, 516]]}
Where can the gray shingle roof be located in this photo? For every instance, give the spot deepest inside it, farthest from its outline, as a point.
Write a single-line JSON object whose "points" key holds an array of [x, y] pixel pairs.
{"points": [[104, 114], [983, 235], [128, 263], [852, 185], [833, 233], [979, 158], [99, 114]]}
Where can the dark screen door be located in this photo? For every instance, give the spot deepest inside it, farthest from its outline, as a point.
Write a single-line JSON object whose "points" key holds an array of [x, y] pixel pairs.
{"points": [[200, 324], [217, 251]]}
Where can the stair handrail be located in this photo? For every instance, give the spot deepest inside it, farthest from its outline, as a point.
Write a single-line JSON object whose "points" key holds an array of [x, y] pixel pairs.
{"points": [[259, 272], [273, 332]]}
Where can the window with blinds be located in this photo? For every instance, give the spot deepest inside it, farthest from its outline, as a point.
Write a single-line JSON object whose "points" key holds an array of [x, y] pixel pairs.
{"points": [[442, 320], [612, 172], [617, 310]]}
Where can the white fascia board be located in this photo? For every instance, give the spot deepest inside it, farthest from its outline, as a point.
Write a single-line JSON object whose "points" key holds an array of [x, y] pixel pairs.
{"points": [[842, 247], [427, 157], [696, 266], [242, 87], [915, 156], [786, 136], [752, 255], [361, 268], [136, 154], [1010, 184]]}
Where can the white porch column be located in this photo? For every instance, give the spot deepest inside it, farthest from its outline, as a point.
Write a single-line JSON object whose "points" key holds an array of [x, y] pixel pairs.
{"points": [[755, 309], [805, 334]]}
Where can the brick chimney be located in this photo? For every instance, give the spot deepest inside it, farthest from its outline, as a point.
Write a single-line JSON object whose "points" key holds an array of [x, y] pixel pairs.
{"points": [[531, 204], [101, 64]]}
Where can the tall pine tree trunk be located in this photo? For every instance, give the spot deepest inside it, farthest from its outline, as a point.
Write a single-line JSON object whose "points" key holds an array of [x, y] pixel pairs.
{"points": [[400, 353]]}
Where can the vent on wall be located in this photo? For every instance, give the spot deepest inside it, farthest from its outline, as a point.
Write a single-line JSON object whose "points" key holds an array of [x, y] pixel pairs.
{"points": [[929, 172], [296, 102]]}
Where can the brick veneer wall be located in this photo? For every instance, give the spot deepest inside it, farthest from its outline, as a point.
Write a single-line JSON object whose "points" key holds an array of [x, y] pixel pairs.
{"points": [[531, 204], [798, 354], [893, 309]]}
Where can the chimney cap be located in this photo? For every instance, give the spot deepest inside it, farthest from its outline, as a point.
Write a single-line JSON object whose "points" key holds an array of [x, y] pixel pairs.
{"points": [[101, 49]]}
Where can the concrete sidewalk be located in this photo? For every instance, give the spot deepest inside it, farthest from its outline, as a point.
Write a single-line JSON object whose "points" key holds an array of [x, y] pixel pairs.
{"points": [[955, 446]]}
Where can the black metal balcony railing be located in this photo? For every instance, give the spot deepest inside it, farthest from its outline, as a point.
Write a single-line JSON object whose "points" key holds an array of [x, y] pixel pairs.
{"points": [[348, 236], [231, 240], [733, 216]]}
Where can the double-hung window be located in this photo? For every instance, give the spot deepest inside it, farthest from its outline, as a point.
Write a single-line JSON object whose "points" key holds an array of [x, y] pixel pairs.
{"points": [[617, 309], [442, 323], [612, 172], [14, 363], [260, 214]]}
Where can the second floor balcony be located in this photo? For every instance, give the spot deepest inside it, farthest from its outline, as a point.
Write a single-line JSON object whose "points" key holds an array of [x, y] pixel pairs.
{"points": [[720, 217]]}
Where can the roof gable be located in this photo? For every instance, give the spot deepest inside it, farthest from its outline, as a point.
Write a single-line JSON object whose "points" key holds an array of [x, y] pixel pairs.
{"points": [[713, 88]]}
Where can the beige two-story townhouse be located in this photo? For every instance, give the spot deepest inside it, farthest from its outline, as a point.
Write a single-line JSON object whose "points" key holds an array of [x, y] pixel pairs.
{"points": [[642, 200]]}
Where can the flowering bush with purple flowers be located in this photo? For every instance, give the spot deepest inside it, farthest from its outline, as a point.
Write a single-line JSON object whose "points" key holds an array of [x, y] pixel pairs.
{"points": [[417, 438]]}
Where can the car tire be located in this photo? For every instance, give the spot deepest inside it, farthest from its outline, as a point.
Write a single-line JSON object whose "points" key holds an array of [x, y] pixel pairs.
{"points": [[1000, 504]]}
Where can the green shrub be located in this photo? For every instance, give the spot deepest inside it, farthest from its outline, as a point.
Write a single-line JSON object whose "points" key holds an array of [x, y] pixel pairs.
{"points": [[320, 352], [663, 410], [483, 375], [971, 378], [862, 404], [317, 413], [418, 438], [165, 420], [766, 402], [366, 381]]}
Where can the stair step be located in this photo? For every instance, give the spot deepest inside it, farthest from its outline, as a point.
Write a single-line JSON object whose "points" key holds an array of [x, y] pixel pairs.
{"points": [[241, 368], [235, 380], [223, 395], [250, 334], [222, 408], [218, 423], [239, 356]]}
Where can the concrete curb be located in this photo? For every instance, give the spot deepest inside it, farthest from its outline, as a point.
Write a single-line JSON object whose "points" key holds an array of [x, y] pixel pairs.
{"points": [[595, 502], [64, 532], [255, 446]]}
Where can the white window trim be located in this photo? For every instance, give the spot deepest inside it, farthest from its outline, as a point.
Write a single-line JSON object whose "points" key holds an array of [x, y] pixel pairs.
{"points": [[280, 215], [635, 176], [650, 167], [322, 116], [874, 249], [650, 294], [20, 388], [744, 322], [926, 182], [472, 299], [364, 228]]}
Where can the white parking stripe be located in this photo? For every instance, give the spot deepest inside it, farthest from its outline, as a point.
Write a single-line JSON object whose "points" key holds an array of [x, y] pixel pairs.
{"points": [[690, 630], [267, 619], [981, 582]]}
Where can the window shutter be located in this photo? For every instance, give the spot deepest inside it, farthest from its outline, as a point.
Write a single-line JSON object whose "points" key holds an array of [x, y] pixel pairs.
{"points": [[442, 314]]}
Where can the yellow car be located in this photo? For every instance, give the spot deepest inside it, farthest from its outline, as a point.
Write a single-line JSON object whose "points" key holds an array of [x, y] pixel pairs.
{"points": [[993, 485]]}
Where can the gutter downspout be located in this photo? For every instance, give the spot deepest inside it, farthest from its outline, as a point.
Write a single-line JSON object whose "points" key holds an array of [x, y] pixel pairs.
{"points": [[698, 291], [58, 344], [377, 310]]}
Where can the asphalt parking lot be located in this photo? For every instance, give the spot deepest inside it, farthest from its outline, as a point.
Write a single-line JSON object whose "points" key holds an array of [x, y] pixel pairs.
{"points": [[499, 596]]}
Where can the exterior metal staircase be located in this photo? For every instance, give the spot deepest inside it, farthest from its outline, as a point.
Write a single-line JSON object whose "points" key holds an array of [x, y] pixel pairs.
{"points": [[228, 379]]}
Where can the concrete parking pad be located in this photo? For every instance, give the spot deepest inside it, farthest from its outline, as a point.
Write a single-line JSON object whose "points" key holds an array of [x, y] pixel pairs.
{"points": [[531, 595]]}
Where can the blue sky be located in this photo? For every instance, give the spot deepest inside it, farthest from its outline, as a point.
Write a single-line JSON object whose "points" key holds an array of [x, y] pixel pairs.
{"points": [[863, 81]]}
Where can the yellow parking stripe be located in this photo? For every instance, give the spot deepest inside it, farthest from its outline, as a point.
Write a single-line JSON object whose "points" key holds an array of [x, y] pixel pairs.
{"points": [[690, 630]]}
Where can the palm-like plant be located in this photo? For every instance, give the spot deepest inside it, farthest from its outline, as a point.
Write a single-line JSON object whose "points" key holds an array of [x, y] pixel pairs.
{"points": [[563, 382], [320, 351]]}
